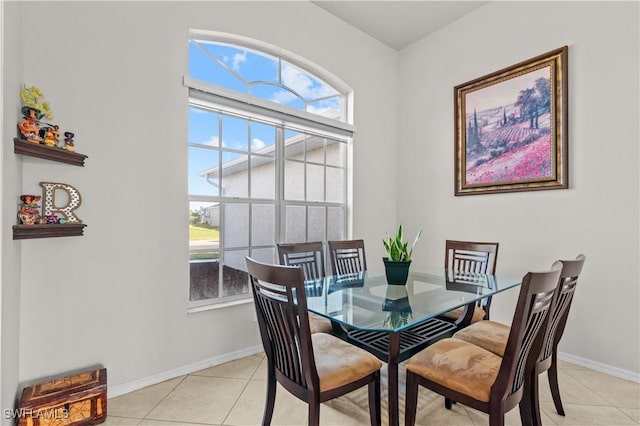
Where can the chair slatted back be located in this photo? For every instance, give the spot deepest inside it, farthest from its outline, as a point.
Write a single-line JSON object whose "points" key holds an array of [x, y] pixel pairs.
{"points": [[278, 293], [571, 270], [347, 257], [527, 332], [309, 256], [471, 257], [476, 257]]}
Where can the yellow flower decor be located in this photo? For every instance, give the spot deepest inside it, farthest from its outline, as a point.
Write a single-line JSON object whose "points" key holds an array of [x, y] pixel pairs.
{"points": [[31, 98]]}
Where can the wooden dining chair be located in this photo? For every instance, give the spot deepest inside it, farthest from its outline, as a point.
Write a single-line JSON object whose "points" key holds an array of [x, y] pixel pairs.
{"points": [[310, 257], [473, 376], [467, 256], [313, 367], [347, 256], [492, 336]]}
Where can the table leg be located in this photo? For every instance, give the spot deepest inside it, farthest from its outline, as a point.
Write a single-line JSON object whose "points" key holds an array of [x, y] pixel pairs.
{"points": [[392, 371]]}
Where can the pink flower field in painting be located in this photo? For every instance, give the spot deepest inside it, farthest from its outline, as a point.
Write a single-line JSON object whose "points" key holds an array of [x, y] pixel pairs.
{"points": [[531, 161], [510, 141]]}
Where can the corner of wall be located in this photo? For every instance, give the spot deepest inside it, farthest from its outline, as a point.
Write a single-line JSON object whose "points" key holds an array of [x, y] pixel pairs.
{"points": [[10, 172]]}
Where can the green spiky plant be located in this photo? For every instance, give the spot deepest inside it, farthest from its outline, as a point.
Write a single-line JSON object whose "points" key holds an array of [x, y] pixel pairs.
{"points": [[31, 98], [397, 249]]}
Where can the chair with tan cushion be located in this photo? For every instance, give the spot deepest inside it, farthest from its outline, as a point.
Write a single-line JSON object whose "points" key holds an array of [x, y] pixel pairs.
{"points": [[473, 376], [313, 367], [470, 256], [347, 257], [310, 257], [492, 336]]}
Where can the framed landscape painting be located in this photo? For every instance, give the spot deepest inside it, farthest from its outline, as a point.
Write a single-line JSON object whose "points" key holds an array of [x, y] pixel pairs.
{"points": [[511, 128]]}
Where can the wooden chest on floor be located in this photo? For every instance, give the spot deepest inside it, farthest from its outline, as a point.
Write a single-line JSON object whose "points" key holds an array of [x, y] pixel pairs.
{"points": [[70, 401]]}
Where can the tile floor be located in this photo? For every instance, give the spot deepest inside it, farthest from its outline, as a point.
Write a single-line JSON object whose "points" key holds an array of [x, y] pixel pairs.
{"points": [[233, 394]]}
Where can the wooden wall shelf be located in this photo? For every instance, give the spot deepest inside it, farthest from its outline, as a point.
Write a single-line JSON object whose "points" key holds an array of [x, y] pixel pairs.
{"points": [[20, 146], [24, 232]]}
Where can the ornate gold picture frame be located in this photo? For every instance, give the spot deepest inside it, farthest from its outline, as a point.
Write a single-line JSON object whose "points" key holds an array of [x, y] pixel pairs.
{"points": [[511, 128]]}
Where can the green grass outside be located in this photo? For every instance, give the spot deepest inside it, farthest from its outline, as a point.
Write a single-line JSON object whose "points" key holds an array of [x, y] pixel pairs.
{"points": [[204, 256], [204, 232]]}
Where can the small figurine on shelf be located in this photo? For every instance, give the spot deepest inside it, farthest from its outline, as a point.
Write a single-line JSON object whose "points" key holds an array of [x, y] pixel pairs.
{"points": [[52, 219], [28, 212], [29, 125], [68, 141], [49, 137], [33, 111], [56, 134]]}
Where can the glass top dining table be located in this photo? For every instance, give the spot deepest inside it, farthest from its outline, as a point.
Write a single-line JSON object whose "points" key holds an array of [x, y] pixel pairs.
{"points": [[394, 322]]}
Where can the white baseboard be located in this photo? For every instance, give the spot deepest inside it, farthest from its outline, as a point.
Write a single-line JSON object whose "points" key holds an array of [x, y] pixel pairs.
{"points": [[124, 388], [602, 368], [118, 390]]}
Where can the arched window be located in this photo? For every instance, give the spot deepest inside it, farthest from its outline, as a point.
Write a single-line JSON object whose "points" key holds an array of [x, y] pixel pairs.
{"points": [[267, 141]]}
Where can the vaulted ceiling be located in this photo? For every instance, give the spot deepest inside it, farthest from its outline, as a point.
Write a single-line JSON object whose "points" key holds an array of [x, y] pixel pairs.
{"points": [[399, 23]]}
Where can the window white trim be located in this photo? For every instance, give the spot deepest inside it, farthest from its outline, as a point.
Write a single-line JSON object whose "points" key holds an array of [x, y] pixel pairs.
{"points": [[257, 108]]}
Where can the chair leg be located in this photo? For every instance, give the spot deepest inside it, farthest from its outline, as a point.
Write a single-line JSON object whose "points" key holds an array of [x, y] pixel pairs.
{"points": [[535, 401], [496, 419], [448, 403], [526, 403], [374, 400], [271, 396], [314, 413], [552, 373], [411, 400]]}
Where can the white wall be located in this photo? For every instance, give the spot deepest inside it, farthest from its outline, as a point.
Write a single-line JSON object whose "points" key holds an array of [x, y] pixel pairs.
{"points": [[113, 74], [597, 216], [11, 171]]}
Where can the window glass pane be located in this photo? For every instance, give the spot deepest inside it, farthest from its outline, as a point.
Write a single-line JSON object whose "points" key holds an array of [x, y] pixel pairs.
{"points": [[308, 86], [335, 185], [236, 225], [234, 175], [316, 223], [293, 180], [204, 227], [203, 127], [263, 224], [335, 223], [315, 149], [203, 279], [295, 224], [336, 153], [235, 279], [329, 108], [252, 66], [294, 147], [315, 182], [263, 138], [263, 177], [204, 238], [235, 133], [265, 255], [249, 64], [272, 93], [203, 67], [203, 171]]}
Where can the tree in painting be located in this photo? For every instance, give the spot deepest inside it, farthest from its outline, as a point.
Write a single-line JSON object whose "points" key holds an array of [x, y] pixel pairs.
{"points": [[508, 137]]}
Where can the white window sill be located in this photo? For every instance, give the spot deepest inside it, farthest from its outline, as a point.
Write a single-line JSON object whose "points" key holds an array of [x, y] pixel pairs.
{"points": [[215, 306]]}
